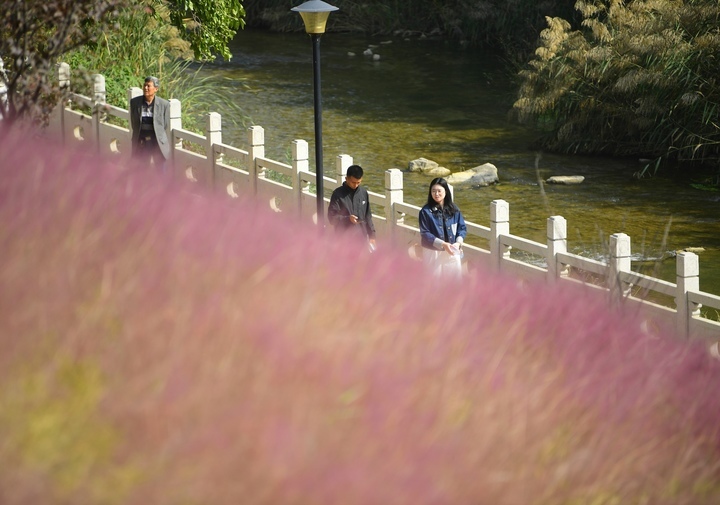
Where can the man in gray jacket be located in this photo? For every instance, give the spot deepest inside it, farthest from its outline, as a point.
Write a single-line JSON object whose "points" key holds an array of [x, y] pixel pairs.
{"points": [[150, 121]]}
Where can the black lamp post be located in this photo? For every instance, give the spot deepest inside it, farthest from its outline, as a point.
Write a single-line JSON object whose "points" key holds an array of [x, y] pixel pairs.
{"points": [[315, 14]]}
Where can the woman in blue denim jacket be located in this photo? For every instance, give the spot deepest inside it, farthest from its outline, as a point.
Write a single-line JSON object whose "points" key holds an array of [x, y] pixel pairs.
{"points": [[442, 230]]}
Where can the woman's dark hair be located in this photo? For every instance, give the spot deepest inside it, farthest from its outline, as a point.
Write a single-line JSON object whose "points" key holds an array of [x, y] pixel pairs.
{"points": [[449, 207]]}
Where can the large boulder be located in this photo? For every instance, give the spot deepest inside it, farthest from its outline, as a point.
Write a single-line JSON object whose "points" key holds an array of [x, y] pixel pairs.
{"points": [[482, 175], [428, 167]]}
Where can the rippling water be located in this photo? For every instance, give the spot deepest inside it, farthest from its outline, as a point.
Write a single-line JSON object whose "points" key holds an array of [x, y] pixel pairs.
{"points": [[427, 98]]}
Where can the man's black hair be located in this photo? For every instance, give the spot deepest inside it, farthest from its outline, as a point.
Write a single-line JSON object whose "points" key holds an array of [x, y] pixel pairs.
{"points": [[355, 171]]}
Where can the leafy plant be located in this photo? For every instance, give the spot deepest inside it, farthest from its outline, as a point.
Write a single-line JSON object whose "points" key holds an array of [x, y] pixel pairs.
{"points": [[34, 34], [209, 24], [145, 43], [126, 39], [507, 25], [639, 79]]}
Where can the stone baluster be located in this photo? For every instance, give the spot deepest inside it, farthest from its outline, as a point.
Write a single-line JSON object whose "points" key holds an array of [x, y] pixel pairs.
{"points": [[556, 243], [99, 91], [687, 270], [175, 119], [58, 116], [4, 91], [175, 124], [393, 196], [133, 92], [300, 163], [256, 139], [98, 111], [619, 261], [342, 162], [213, 136], [64, 76], [499, 225]]}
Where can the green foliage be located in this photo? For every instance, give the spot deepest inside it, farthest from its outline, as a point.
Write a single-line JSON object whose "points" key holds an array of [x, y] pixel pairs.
{"points": [[127, 39], [201, 94], [639, 79], [34, 34], [144, 43], [209, 24], [511, 25]]}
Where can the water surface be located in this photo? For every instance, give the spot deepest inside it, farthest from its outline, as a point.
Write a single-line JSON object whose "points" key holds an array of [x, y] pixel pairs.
{"points": [[428, 98]]}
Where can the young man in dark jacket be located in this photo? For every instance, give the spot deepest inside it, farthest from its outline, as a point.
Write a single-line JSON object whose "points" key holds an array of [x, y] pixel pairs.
{"points": [[350, 207]]}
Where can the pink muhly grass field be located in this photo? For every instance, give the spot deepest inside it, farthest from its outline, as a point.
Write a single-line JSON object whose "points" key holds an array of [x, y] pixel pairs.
{"points": [[163, 345]]}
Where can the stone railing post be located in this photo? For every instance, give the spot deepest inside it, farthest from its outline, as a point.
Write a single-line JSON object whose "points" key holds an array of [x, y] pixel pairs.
{"points": [[618, 262], [99, 92], [393, 196], [256, 139], [687, 270], [3, 91], [99, 100], [132, 93], [64, 76], [58, 118], [499, 225], [556, 243], [175, 115], [342, 162], [213, 136], [175, 124], [300, 163]]}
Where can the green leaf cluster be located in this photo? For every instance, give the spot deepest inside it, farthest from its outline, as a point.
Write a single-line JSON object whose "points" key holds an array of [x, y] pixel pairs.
{"points": [[34, 34], [143, 43], [124, 40], [209, 25], [638, 79], [508, 25]]}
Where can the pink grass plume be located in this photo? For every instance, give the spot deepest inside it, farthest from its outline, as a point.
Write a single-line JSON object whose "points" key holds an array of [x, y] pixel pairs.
{"points": [[162, 344]]}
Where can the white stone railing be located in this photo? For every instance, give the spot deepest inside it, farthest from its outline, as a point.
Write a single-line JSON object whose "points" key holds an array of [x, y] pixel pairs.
{"points": [[288, 187]]}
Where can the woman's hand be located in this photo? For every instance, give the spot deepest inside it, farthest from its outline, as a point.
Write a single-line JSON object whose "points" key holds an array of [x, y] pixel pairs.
{"points": [[448, 248]]}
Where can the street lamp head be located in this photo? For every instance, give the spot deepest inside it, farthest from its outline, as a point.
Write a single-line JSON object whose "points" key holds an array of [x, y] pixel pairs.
{"points": [[315, 14]]}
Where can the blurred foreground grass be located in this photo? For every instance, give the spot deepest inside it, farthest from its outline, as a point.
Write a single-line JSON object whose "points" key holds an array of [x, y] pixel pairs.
{"points": [[164, 347]]}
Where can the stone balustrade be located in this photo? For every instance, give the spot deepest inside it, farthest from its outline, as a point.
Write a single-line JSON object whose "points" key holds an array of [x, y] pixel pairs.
{"points": [[289, 187]]}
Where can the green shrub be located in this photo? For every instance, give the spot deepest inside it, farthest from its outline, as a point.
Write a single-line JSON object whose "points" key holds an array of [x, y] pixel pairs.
{"points": [[509, 25], [144, 43], [639, 79]]}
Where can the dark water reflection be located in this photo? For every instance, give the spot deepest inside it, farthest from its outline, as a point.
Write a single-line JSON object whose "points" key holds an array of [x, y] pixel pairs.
{"points": [[435, 100]]}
